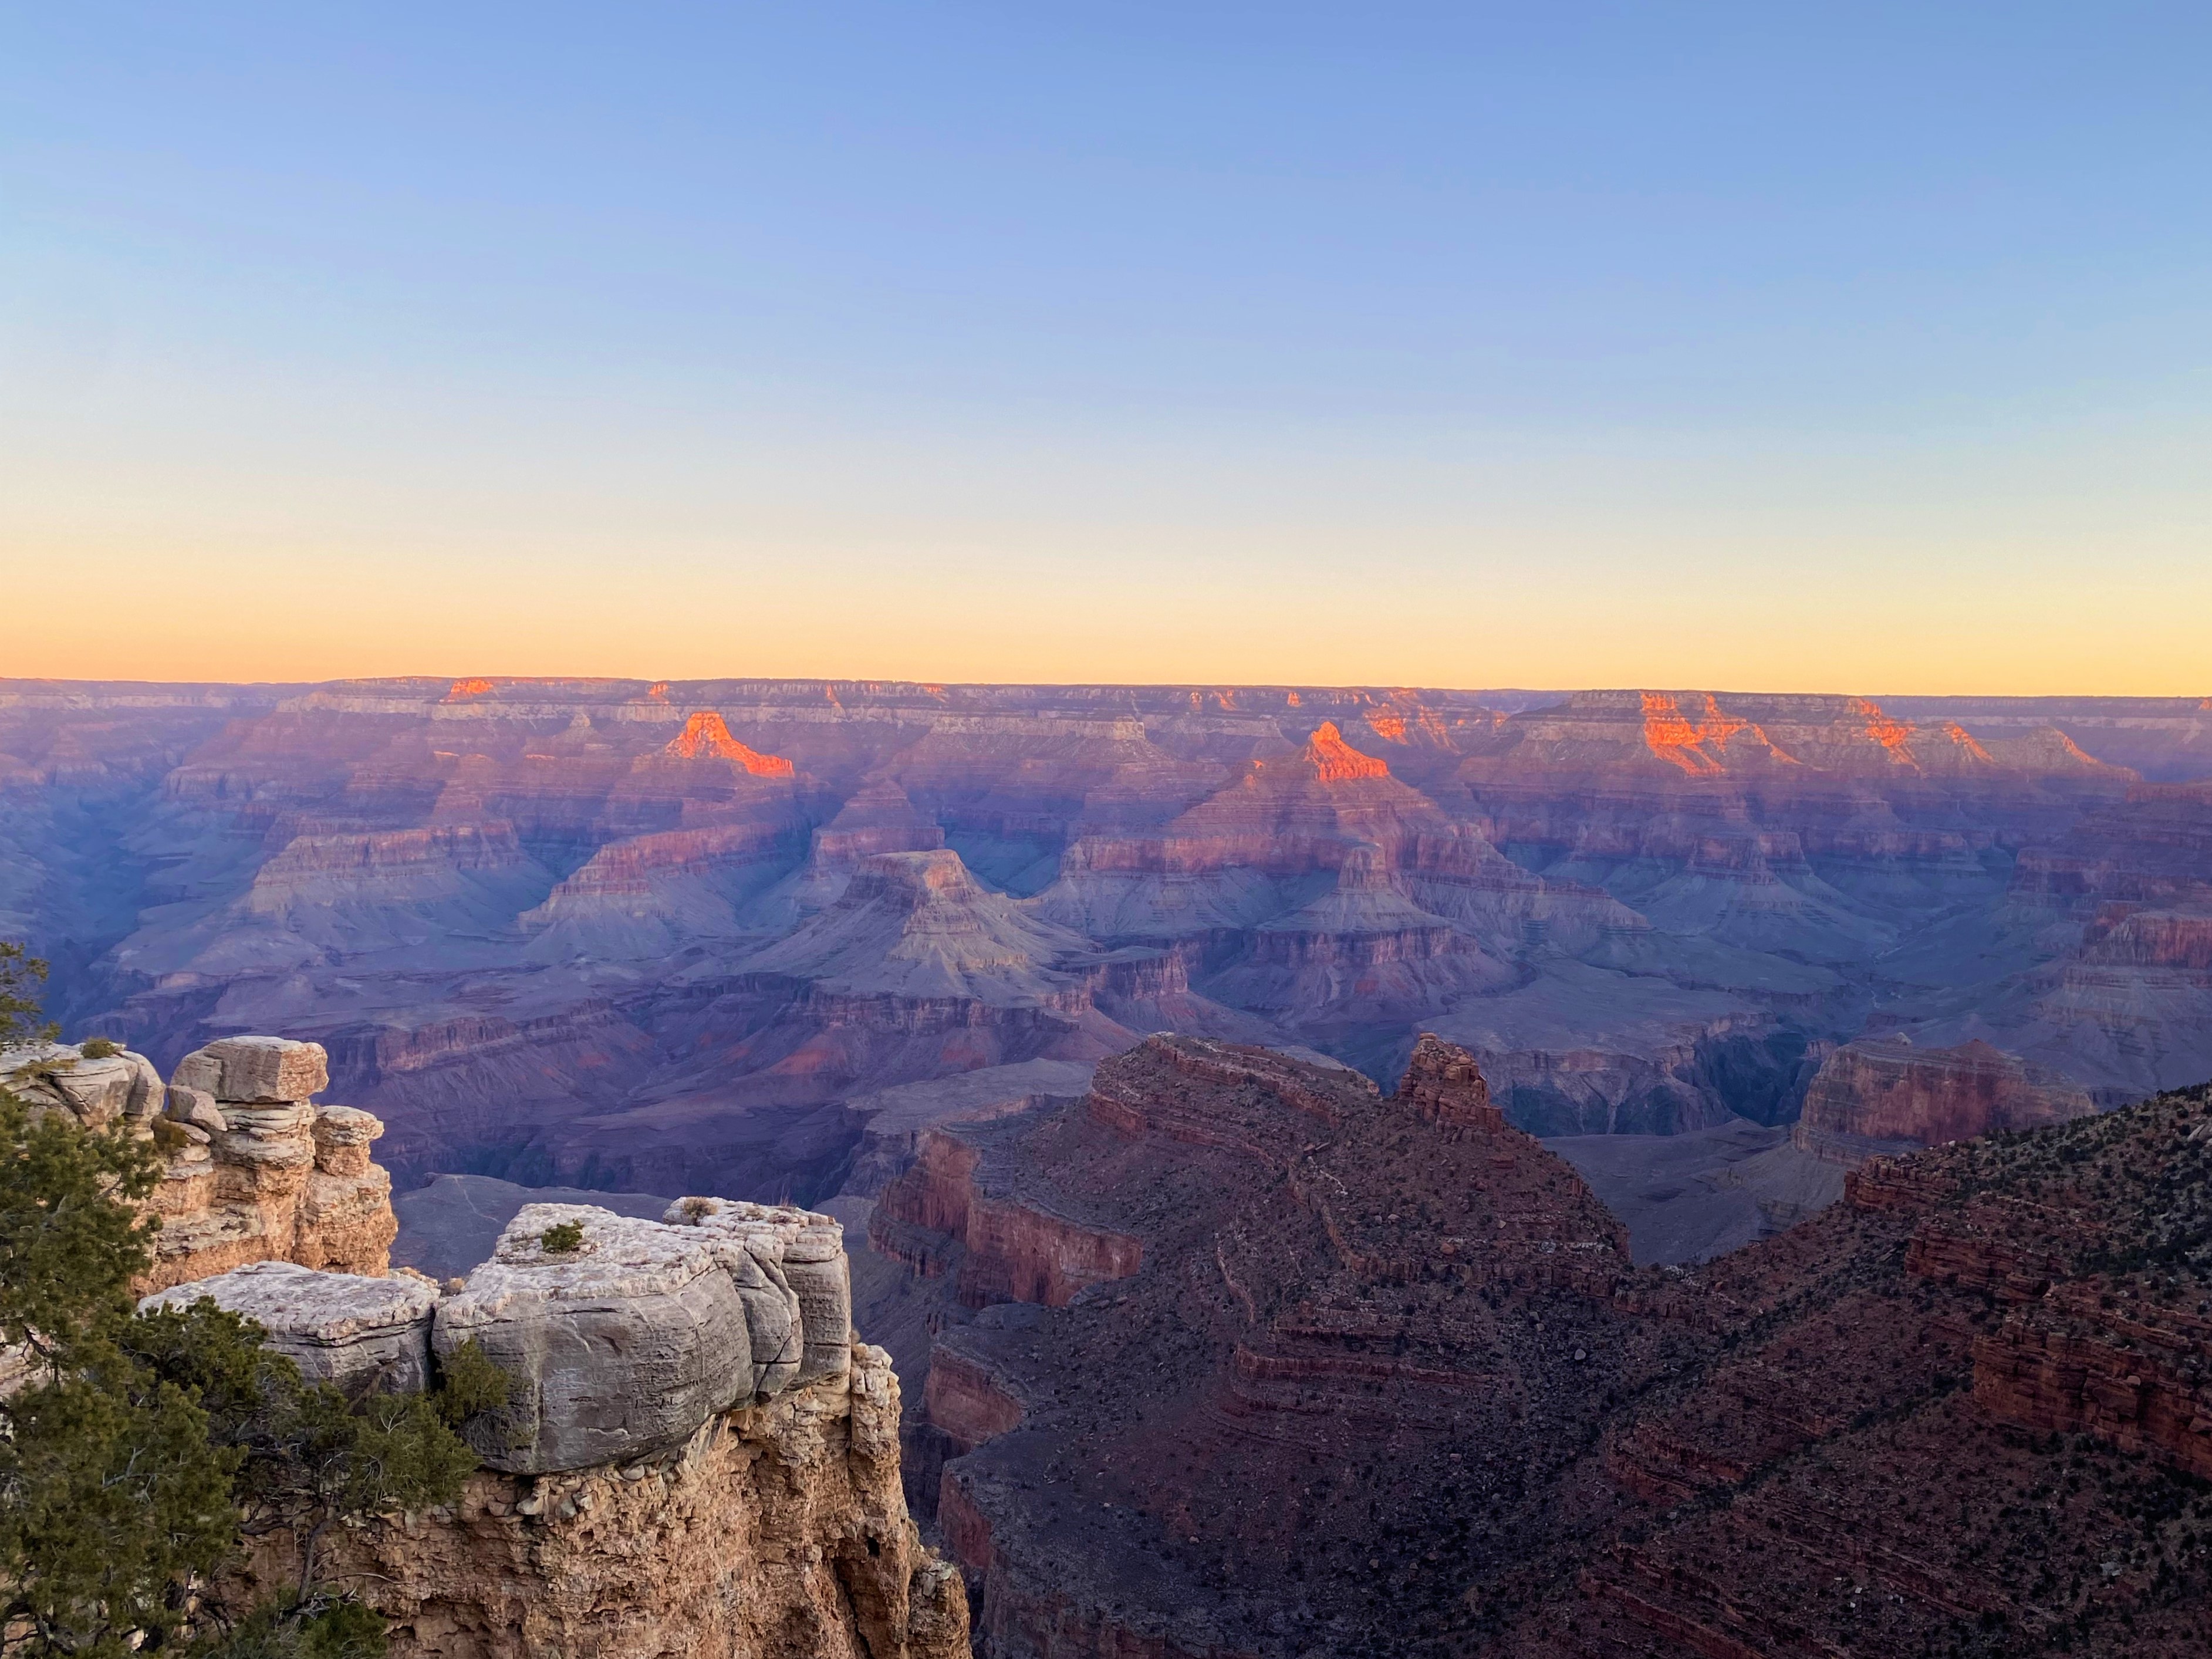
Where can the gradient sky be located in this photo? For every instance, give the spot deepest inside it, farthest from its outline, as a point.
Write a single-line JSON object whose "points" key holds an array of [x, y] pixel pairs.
{"points": [[1785, 347]]}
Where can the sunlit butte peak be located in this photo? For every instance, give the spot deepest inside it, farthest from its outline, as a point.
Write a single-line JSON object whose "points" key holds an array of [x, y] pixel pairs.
{"points": [[463, 690], [1965, 740], [1692, 743], [1892, 733], [1335, 761], [705, 736]]}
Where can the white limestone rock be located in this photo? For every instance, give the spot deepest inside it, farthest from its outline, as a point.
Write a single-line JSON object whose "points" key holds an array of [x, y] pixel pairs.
{"points": [[97, 1091], [197, 1107], [247, 1070], [809, 1249], [615, 1350], [362, 1335]]}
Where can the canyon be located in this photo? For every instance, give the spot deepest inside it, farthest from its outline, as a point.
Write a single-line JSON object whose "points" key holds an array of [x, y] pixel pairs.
{"points": [[1341, 1172], [1239, 1356], [705, 936]]}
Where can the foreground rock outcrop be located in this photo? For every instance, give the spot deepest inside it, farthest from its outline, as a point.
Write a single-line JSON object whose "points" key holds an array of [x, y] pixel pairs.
{"points": [[697, 1456], [361, 1334], [253, 1170], [777, 1530]]}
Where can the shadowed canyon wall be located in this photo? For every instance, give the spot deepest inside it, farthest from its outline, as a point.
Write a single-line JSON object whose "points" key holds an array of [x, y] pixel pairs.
{"points": [[1382, 1381]]}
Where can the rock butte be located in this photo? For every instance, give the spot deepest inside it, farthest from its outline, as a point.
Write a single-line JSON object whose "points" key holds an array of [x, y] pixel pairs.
{"points": [[1887, 1096]]}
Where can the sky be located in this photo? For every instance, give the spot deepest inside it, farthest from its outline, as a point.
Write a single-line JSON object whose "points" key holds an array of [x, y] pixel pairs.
{"points": [[1859, 348]]}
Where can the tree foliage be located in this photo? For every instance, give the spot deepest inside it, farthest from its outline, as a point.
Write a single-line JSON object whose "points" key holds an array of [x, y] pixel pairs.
{"points": [[21, 974], [112, 1496], [139, 1446]]}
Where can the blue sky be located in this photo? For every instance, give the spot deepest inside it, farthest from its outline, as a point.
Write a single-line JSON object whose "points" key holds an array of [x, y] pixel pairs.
{"points": [[1864, 348]]}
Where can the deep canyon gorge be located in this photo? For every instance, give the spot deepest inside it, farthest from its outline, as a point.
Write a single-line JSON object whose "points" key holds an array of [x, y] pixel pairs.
{"points": [[1336, 1170]]}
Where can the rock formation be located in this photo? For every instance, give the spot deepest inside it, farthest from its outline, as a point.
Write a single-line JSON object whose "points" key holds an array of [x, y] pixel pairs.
{"points": [[1963, 1410], [360, 1333], [284, 1180], [1400, 1391], [1213, 1334], [1887, 1096], [254, 1170], [776, 1531], [696, 1456]]}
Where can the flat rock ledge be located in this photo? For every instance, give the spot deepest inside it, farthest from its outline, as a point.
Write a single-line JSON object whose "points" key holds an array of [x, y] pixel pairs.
{"points": [[362, 1335]]}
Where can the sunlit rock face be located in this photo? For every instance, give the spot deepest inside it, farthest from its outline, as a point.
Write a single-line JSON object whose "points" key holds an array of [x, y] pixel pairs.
{"points": [[251, 1169], [641, 935]]}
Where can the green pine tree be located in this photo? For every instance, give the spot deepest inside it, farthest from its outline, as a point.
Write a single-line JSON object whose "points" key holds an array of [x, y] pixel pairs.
{"points": [[141, 1445]]}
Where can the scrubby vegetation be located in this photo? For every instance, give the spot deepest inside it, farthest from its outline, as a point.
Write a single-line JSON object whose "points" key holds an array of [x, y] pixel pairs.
{"points": [[138, 1451]]}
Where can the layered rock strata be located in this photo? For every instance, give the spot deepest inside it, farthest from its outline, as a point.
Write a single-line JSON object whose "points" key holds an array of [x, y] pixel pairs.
{"points": [[773, 1531], [1964, 1410], [253, 1170], [360, 1334], [697, 1455], [1383, 1382], [1338, 1316], [281, 1179], [581, 930], [1886, 1096]]}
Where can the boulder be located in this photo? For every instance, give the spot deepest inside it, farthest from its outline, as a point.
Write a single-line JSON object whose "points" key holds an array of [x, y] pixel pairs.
{"points": [[809, 1249], [362, 1334], [248, 1070], [197, 1107], [97, 1091], [617, 1350]]}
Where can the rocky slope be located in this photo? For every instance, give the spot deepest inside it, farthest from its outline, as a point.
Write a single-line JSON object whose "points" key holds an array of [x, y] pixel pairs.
{"points": [[1237, 1357], [1220, 1332], [1963, 1411]]}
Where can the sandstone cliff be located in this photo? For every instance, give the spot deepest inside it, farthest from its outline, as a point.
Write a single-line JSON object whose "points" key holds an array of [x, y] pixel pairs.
{"points": [[1219, 1333], [253, 1170], [1964, 1410], [697, 1457], [1885, 1094]]}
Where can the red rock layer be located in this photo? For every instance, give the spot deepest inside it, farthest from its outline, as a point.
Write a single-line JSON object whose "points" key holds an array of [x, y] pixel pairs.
{"points": [[1017, 1250], [1384, 1383], [1321, 1267], [705, 736], [1886, 1095], [1965, 1412]]}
